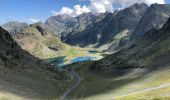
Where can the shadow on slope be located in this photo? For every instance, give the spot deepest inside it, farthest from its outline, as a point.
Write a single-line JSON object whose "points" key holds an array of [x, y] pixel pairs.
{"points": [[24, 75]]}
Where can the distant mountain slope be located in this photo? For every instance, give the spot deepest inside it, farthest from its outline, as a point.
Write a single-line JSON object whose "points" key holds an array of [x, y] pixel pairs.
{"points": [[114, 23], [63, 24], [15, 27], [39, 42], [151, 51], [155, 17], [59, 24]]}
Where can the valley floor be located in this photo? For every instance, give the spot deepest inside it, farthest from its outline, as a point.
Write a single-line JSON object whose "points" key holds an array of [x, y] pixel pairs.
{"points": [[137, 85], [66, 56]]}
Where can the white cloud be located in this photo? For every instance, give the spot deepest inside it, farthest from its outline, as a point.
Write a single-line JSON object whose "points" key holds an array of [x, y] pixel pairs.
{"points": [[77, 10], [33, 20], [155, 1], [101, 6], [64, 10], [125, 3]]}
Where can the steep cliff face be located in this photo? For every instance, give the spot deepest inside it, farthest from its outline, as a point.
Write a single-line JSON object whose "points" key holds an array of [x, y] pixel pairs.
{"points": [[62, 25], [150, 52], [154, 18], [114, 23]]}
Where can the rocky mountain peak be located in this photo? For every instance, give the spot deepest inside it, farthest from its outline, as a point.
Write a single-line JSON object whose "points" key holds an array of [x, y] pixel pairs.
{"points": [[14, 27]]}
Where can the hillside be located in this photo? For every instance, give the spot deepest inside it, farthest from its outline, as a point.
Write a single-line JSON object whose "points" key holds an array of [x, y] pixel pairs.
{"points": [[24, 76], [36, 40]]}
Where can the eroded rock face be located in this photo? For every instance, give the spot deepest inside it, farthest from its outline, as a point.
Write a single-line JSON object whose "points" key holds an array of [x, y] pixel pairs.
{"points": [[62, 25], [15, 27], [149, 52], [104, 30], [154, 18]]}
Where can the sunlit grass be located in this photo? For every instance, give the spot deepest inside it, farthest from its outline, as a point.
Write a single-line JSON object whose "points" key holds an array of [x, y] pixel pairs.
{"points": [[158, 94], [95, 87]]}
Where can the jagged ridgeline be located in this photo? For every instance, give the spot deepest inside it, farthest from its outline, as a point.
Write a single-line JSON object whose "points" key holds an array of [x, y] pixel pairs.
{"points": [[111, 30], [103, 31], [107, 31]]}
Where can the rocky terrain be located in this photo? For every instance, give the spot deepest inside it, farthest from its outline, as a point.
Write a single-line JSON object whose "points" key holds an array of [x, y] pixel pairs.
{"points": [[154, 18], [15, 27], [107, 31], [151, 51], [114, 23], [62, 25]]}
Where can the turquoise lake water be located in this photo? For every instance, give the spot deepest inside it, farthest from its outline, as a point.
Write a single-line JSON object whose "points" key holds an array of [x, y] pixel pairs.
{"points": [[80, 59], [60, 60]]}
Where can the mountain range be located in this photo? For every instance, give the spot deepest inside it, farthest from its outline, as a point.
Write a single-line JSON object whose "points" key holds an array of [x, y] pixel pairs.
{"points": [[109, 30], [64, 24], [114, 23], [135, 44]]}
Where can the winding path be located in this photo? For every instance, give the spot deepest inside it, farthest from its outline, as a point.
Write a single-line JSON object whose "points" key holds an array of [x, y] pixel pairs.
{"points": [[78, 80]]}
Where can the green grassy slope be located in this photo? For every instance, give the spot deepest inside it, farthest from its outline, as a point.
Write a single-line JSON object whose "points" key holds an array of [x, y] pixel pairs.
{"points": [[99, 87], [24, 76]]}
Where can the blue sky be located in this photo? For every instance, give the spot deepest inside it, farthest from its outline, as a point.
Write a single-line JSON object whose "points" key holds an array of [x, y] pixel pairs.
{"points": [[23, 10], [167, 1]]}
